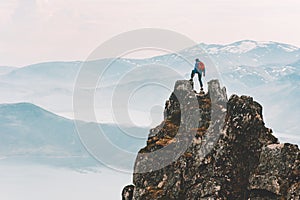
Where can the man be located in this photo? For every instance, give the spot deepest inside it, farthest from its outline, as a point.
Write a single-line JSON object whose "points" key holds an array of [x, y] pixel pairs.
{"points": [[200, 70]]}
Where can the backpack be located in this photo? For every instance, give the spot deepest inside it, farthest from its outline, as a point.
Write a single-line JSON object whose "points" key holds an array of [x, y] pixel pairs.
{"points": [[201, 66]]}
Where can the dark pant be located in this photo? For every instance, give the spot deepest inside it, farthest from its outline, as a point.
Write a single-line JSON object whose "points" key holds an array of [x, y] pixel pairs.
{"points": [[199, 76]]}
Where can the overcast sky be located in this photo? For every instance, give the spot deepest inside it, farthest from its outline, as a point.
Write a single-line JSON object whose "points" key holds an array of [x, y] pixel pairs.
{"points": [[34, 31]]}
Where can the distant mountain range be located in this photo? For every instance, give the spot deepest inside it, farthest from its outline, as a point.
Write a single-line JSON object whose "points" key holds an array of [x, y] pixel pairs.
{"points": [[268, 71], [31, 134], [251, 53], [6, 69]]}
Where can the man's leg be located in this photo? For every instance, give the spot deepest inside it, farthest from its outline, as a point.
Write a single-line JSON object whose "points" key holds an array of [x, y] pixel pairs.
{"points": [[192, 75], [200, 80]]}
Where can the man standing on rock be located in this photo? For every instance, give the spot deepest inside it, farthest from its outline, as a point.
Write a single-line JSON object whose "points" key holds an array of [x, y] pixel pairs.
{"points": [[200, 70]]}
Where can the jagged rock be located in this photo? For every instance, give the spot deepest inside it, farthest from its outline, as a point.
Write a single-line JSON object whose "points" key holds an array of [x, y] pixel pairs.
{"points": [[217, 94], [276, 173], [127, 192], [209, 147], [294, 191]]}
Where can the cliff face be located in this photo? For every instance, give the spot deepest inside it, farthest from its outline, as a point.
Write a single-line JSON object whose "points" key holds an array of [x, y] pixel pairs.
{"points": [[209, 147]]}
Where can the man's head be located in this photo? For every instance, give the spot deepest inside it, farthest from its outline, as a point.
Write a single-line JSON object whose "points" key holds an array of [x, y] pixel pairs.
{"points": [[197, 60]]}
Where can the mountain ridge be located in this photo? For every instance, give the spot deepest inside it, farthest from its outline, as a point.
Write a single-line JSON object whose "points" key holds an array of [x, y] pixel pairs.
{"points": [[205, 45], [31, 134]]}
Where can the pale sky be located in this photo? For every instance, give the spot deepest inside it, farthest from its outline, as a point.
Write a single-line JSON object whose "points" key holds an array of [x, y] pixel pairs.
{"points": [[33, 31]]}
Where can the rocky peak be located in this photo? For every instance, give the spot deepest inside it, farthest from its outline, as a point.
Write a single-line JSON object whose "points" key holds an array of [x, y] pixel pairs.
{"points": [[209, 147]]}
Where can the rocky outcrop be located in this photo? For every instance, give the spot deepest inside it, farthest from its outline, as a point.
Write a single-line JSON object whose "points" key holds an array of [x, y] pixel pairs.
{"points": [[209, 147], [127, 192], [277, 174]]}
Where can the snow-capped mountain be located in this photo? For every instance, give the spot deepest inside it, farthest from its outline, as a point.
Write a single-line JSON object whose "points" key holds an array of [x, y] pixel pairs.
{"points": [[247, 46], [32, 134], [247, 52]]}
